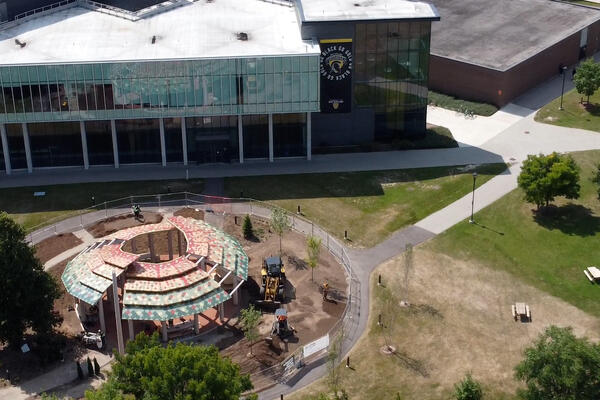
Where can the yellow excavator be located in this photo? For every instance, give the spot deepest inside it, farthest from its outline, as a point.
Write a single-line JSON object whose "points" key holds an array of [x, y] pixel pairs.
{"points": [[272, 290]]}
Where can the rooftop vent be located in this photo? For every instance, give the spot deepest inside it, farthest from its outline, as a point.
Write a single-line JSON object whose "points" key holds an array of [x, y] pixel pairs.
{"points": [[153, 39], [243, 36], [210, 1], [356, 5], [19, 43]]}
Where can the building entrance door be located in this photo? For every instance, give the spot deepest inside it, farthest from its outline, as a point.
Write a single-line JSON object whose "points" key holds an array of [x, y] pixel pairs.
{"points": [[213, 150]]}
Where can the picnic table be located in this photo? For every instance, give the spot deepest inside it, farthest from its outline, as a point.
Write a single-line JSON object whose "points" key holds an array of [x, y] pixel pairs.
{"points": [[592, 273], [521, 311]]}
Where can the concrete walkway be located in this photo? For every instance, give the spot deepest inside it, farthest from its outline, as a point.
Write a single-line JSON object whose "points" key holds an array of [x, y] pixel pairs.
{"points": [[509, 136]]}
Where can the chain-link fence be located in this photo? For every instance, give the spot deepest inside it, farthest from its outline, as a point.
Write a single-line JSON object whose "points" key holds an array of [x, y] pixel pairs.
{"points": [[345, 328]]}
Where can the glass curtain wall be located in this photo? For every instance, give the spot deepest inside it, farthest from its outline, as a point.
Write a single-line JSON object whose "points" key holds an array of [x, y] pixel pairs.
{"points": [[289, 135], [212, 139], [16, 146], [390, 76], [56, 144], [2, 164], [173, 144], [138, 141], [159, 89], [99, 142], [256, 136]]}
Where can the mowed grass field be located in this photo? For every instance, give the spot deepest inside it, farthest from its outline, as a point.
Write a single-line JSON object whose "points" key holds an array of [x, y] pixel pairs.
{"points": [[548, 251], [459, 321], [369, 205], [62, 201], [575, 114]]}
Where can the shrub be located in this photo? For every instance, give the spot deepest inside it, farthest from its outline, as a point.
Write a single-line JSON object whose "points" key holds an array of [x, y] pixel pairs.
{"points": [[247, 228], [468, 389]]}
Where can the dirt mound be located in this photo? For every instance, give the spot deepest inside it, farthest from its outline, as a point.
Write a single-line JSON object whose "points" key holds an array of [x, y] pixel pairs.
{"points": [[113, 224], [190, 213]]}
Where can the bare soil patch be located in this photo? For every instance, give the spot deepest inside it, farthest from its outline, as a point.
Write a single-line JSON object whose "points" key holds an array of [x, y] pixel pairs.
{"points": [[113, 224], [53, 246], [189, 212], [161, 244], [65, 304], [307, 312]]}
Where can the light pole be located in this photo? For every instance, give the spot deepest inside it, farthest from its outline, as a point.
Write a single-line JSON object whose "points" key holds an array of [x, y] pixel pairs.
{"points": [[563, 71], [473, 199]]}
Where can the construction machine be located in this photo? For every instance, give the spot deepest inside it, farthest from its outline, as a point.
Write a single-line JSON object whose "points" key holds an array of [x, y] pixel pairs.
{"points": [[272, 290]]}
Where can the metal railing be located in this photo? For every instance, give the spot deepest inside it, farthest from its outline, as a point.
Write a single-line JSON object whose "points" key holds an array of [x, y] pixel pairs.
{"points": [[347, 325]]}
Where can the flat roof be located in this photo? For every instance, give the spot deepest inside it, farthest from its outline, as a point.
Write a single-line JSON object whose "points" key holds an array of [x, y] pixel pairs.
{"points": [[197, 30], [352, 10], [501, 34]]}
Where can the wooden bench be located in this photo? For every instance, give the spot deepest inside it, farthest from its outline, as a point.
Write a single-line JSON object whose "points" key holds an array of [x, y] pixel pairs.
{"points": [[514, 312], [528, 313], [589, 276]]}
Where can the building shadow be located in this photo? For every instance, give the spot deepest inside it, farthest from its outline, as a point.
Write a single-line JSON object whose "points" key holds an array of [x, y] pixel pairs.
{"points": [[572, 219]]}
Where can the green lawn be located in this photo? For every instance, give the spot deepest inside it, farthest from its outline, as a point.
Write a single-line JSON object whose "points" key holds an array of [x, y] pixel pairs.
{"points": [[584, 3], [370, 205], [453, 103], [549, 252], [62, 201], [575, 114]]}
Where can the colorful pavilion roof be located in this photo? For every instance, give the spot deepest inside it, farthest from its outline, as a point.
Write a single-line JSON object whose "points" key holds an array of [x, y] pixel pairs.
{"points": [[159, 291]]}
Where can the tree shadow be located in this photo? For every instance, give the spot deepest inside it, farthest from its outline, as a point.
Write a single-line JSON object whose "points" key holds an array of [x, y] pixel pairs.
{"points": [[593, 109], [572, 219]]}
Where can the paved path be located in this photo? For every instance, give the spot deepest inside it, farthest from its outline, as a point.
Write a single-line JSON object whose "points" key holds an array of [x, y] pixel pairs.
{"points": [[508, 136]]}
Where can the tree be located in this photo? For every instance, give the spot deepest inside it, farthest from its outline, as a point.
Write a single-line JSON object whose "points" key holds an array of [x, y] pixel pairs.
{"points": [[247, 227], [181, 371], [280, 223], [545, 177], [468, 389], [560, 366], [249, 319], [587, 78], [27, 292], [313, 249]]}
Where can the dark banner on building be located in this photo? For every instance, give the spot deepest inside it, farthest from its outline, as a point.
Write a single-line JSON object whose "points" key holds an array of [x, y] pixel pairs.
{"points": [[336, 75]]}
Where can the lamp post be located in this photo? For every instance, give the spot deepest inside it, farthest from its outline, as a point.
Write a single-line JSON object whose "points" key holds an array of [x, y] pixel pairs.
{"points": [[563, 71], [473, 199]]}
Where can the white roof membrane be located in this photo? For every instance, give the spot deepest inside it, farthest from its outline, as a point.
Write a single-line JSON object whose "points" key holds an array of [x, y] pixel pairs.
{"points": [[198, 30], [348, 10]]}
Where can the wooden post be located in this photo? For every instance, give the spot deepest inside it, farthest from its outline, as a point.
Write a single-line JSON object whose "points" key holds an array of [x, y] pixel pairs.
{"points": [[221, 311], [165, 335], [101, 315], [196, 327], [151, 246], [120, 345], [130, 326], [133, 246], [170, 244], [179, 243]]}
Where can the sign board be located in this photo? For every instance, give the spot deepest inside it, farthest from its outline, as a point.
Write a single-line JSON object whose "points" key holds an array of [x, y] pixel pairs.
{"points": [[25, 348], [335, 68], [316, 346], [39, 194]]}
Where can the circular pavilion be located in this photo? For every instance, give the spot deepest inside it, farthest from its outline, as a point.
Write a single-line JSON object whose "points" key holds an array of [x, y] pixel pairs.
{"points": [[201, 272]]}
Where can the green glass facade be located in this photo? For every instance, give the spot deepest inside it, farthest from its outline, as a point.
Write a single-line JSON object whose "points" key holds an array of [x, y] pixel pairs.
{"points": [[104, 91], [391, 72]]}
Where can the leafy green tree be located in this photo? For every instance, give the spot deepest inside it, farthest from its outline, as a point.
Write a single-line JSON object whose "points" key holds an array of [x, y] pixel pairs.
{"points": [[176, 372], [587, 78], [249, 319], [468, 389], [108, 391], [247, 229], [545, 177], [27, 292], [313, 249], [280, 223], [560, 366]]}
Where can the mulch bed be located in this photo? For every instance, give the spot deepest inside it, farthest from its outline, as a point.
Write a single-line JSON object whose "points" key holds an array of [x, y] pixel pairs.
{"points": [[114, 224], [55, 245]]}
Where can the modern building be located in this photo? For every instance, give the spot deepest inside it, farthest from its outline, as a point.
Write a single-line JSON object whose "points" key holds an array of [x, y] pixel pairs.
{"points": [[86, 84], [494, 51]]}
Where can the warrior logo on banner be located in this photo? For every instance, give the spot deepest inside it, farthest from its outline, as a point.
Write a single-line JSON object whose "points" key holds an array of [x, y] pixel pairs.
{"points": [[336, 75]]}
